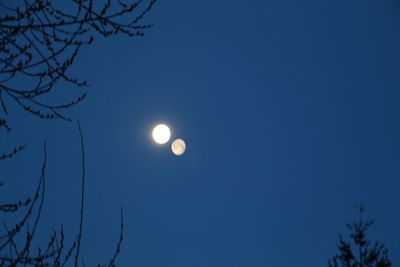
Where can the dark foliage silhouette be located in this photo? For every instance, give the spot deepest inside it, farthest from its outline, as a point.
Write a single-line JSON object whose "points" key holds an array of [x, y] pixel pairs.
{"points": [[359, 251], [39, 42]]}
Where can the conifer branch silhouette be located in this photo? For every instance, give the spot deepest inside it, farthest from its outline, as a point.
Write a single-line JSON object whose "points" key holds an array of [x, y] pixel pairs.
{"points": [[360, 251]]}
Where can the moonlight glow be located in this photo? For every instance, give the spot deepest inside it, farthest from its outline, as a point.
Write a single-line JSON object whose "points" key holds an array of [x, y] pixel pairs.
{"points": [[178, 147], [161, 134]]}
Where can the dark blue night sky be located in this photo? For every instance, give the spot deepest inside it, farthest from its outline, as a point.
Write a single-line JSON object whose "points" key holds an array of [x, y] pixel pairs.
{"points": [[290, 112]]}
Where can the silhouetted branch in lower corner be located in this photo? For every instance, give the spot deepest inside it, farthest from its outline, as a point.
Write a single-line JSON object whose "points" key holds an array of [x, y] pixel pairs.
{"points": [[11, 153], [121, 237], [82, 194], [360, 251], [16, 249]]}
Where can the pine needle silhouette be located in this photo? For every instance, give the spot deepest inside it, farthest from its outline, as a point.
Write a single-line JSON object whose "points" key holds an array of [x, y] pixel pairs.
{"points": [[360, 252]]}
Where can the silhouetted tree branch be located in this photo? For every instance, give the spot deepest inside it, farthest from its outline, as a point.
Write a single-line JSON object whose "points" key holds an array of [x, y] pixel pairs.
{"points": [[55, 253], [39, 42], [359, 251]]}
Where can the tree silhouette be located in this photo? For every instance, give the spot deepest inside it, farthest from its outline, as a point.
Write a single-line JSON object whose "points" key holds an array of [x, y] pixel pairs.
{"points": [[360, 252], [39, 42]]}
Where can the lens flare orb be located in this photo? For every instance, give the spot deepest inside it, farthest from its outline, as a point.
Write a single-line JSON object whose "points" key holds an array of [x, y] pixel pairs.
{"points": [[178, 147]]}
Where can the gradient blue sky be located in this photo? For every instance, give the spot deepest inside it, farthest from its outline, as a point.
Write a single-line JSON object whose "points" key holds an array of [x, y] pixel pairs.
{"points": [[290, 110]]}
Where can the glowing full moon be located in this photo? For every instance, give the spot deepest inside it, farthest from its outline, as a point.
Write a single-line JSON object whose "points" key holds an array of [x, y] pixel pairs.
{"points": [[178, 147], [161, 134]]}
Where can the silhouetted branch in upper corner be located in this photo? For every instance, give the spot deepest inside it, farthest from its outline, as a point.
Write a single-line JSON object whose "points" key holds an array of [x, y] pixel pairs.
{"points": [[359, 251], [40, 42]]}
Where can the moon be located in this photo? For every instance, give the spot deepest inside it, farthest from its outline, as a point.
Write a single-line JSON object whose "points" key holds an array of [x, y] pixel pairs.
{"points": [[178, 147], [161, 134]]}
